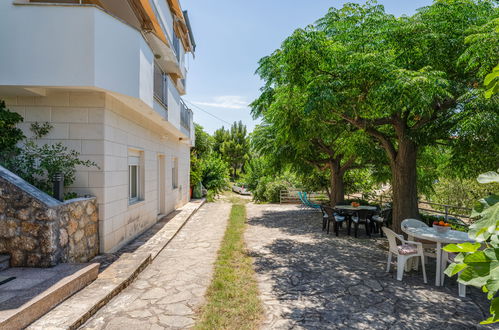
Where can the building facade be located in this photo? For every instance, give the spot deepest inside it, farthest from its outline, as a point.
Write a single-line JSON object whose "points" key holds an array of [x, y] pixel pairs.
{"points": [[108, 75]]}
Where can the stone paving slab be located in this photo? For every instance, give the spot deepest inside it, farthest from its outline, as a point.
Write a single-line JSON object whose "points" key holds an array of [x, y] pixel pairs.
{"points": [[118, 275], [168, 293], [311, 280]]}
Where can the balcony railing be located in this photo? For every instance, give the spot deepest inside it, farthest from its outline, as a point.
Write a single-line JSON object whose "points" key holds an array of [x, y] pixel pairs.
{"points": [[160, 86], [176, 46], [185, 116]]}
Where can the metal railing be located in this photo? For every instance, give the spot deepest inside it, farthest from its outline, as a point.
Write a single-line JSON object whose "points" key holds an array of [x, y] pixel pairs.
{"points": [[176, 46], [160, 86], [290, 196], [185, 116]]}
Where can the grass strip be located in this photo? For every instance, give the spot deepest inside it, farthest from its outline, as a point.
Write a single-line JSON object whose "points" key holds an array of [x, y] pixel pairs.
{"points": [[232, 300]]}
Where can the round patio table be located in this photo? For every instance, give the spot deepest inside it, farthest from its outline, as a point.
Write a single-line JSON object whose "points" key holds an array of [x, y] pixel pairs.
{"points": [[431, 234]]}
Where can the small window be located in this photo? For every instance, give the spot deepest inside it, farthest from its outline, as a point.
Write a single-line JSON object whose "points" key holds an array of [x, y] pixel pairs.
{"points": [[133, 179], [175, 173]]}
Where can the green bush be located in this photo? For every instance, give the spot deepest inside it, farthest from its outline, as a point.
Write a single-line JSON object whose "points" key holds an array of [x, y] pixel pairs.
{"points": [[210, 196], [215, 173], [260, 189], [38, 164], [10, 135], [273, 189]]}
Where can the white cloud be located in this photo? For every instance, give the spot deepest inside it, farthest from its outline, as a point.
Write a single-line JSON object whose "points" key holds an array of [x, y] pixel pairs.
{"points": [[227, 102]]}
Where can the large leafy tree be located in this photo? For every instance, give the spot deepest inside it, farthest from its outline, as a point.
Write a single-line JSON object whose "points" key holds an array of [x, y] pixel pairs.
{"points": [[295, 136], [235, 148], [402, 81]]}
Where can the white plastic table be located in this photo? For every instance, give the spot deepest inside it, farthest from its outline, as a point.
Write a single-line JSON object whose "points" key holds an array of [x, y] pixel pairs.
{"points": [[431, 234]]}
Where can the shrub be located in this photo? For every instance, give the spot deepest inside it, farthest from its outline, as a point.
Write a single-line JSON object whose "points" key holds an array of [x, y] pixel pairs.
{"points": [[38, 164], [215, 173], [210, 196], [10, 135], [273, 189]]}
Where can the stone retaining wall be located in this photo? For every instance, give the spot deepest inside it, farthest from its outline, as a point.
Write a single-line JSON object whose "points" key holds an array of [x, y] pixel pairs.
{"points": [[38, 231]]}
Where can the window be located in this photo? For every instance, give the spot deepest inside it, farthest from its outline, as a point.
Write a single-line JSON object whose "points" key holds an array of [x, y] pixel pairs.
{"points": [[134, 178], [175, 173]]}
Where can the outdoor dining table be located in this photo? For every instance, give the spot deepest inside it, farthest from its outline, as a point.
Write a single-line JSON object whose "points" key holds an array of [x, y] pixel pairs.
{"points": [[353, 209], [356, 208], [431, 234]]}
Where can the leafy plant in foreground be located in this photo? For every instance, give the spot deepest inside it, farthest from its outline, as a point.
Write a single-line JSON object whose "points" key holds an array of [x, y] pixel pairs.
{"points": [[476, 266]]}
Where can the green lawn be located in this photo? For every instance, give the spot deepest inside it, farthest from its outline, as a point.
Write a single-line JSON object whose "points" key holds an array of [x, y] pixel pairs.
{"points": [[232, 300]]}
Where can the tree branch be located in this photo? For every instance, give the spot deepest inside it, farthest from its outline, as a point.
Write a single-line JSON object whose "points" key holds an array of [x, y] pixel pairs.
{"points": [[381, 137]]}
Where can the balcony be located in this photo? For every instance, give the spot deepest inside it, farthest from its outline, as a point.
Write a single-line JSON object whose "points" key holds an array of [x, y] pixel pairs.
{"points": [[161, 87], [185, 118]]}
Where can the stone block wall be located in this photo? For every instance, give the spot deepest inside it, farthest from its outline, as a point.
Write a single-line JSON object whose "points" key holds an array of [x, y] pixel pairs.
{"points": [[104, 129], [38, 231]]}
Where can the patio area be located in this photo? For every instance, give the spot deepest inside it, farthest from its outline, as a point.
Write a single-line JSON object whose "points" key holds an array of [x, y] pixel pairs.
{"points": [[312, 280]]}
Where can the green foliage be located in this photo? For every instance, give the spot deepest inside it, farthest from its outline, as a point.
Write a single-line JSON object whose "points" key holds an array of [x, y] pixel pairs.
{"points": [[476, 267], [460, 192], [220, 136], [491, 82], [196, 174], [203, 143], [10, 135], [210, 196], [406, 83], [203, 147], [37, 164], [215, 173], [235, 148]]}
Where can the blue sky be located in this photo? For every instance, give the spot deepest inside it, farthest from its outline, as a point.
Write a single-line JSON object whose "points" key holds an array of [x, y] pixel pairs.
{"points": [[232, 35]]}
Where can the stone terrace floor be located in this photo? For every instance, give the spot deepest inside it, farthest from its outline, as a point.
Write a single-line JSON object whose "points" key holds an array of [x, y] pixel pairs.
{"points": [[310, 280]]}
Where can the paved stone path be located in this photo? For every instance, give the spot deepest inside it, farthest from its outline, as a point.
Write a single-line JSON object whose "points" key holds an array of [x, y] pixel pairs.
{"points": [[310, 280], [168, 292]]}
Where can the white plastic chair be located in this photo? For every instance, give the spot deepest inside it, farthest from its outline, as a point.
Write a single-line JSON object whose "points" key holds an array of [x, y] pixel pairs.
{"points": [[415, 223], [404, 252], [448, 258]]}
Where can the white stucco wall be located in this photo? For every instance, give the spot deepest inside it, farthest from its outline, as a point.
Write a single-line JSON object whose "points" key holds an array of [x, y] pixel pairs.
{"points": [[103, 129], [73, 46]]}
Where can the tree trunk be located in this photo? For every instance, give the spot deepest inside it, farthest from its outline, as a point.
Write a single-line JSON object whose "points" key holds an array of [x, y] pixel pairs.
{"points": [[337, 185], [404, 184]]}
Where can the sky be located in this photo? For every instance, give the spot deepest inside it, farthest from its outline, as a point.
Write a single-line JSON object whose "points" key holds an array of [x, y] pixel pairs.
{"points": [[232, 35]]}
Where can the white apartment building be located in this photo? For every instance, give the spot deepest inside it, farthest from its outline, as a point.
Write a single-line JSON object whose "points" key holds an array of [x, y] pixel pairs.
{"points": [[108, 75]]}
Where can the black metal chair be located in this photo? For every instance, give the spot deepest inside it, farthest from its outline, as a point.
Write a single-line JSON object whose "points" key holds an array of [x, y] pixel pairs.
{"points": [[332, 216], [381, 219], [361, 217], [324, 217]]}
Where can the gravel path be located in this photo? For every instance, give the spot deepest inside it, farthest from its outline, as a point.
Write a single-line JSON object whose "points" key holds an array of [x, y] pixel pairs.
{"points": [[170, 290], [310, 280]]}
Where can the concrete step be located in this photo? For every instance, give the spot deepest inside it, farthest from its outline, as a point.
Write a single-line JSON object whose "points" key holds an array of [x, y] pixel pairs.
{"points": [[4, 261], [35, 291]]}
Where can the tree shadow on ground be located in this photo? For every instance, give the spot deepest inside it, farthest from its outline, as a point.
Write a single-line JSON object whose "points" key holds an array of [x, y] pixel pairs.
{"points": [[315, 281]]}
